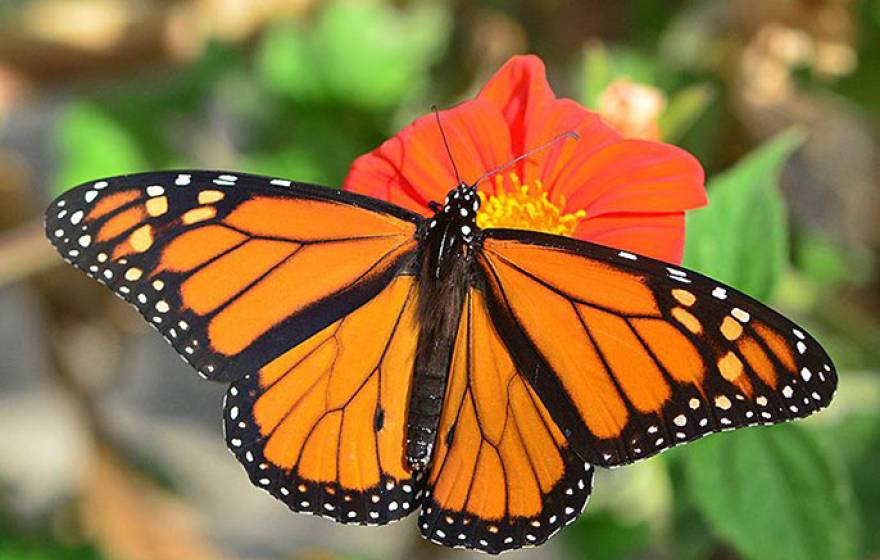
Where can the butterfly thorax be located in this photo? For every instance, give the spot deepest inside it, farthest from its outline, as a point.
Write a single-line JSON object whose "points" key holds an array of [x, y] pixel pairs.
{"points": [[445, 263]]}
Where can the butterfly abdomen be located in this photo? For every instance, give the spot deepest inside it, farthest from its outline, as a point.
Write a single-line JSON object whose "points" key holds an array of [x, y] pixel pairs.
{"points": [[439, 310]]}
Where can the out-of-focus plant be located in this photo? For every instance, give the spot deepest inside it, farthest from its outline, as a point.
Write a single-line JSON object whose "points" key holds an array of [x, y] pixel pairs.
{"points": [[741, 237], [754, 485], [364, 54], [638, 96], [88, 139], [856, 441], [632, 109], [319, 91]]}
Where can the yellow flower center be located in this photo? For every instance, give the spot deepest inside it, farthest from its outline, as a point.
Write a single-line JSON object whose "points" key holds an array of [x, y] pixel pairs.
{"points": [[526, 207]]}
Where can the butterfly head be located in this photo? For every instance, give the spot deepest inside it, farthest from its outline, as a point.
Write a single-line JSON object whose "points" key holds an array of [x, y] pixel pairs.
{"points": [[463, 202], [460, 208]]}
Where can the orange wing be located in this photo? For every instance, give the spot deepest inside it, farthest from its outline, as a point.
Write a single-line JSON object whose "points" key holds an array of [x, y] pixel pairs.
{"points": [[234, 270], [632, 356], [322, 426], [503, 475]]}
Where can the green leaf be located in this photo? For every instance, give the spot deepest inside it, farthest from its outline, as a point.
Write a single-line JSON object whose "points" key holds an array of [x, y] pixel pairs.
{"points": [[774, 493], [741, 237], [91, 145], [36, 541], [374, 54], [368, 54], [857, 439], [595, 74], [826, 263], [603, 536], [683, 110], [690, 537], [283, 63]]}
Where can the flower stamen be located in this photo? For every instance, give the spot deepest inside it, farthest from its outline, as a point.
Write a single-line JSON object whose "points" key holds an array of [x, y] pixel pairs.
{"points": [[526, 206]]}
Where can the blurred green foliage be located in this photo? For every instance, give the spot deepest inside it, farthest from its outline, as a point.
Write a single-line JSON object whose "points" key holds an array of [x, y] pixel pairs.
{"points": [[18, 542], [312, 98], [604, 536], [774, 493], [741, 236], [754, 485], [311, 95], [380, 64], [856, 444], [87, 138]]}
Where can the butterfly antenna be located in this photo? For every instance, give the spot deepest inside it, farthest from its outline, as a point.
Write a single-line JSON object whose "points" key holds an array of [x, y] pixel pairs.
{"points": [[446, 143], [544, 146]]}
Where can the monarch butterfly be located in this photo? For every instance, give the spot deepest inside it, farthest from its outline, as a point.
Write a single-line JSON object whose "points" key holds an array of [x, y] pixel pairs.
{"points": [[382, 362]]}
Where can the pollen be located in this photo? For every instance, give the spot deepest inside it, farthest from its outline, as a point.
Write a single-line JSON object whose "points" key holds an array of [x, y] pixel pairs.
{"points": [[526, 206]]}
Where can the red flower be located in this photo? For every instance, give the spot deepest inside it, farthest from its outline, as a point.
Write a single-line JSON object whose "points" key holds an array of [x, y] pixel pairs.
{"points": [[628, 194]]}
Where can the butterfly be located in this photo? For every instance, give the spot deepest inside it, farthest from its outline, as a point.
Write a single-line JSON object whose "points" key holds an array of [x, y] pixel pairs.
{"points": [[381, 362]]}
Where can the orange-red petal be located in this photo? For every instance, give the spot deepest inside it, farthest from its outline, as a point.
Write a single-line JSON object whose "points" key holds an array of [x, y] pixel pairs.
{"points": [[632, 176], [415, 161], [660, 236], [374, 175], [560, 116], [519, 89]]}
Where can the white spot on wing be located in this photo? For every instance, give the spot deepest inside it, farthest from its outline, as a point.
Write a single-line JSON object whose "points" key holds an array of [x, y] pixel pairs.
{"points": [[806, 374], [740, 315]]}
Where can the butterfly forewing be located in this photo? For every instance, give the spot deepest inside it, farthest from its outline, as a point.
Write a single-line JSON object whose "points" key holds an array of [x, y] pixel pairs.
{"points": [[632, 356], [234, 270]]}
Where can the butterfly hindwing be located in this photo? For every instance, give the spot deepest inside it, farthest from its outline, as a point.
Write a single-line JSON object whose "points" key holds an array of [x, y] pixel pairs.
{"points": [[503, 475], [633, 356], [233, 270], [322, 427]]}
